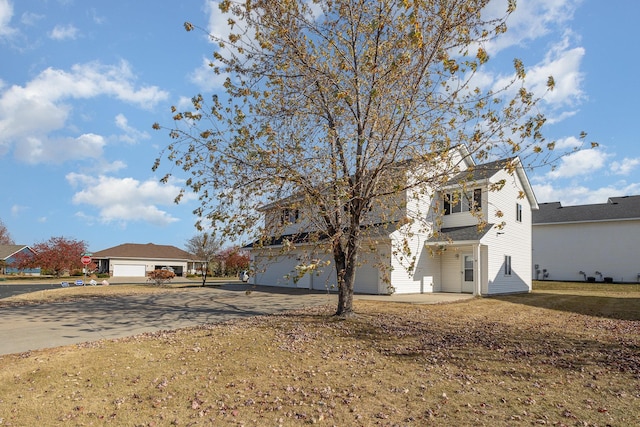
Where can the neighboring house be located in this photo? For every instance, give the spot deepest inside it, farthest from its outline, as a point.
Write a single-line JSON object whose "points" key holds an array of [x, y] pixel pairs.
{"points": [[596, 242], [136, 260], [9, 254], [453, 253]]}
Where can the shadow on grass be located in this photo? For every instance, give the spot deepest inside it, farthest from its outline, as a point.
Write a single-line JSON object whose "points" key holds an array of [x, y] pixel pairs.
{"points": [[609, 307], [505, 348]]}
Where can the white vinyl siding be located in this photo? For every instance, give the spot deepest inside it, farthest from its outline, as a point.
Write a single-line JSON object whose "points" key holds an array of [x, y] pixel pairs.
{"points": [[513, 239], [610, 247]]}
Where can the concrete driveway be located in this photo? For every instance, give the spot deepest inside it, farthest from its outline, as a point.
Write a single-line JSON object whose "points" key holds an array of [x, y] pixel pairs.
{"points": [[32, 327]]}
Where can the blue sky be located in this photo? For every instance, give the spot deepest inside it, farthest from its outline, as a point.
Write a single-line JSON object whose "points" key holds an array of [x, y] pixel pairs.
{"points": [[82, 82]]}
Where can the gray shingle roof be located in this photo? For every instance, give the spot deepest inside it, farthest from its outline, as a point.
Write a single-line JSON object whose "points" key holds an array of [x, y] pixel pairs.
{"points": [[480, 172], [616, 208], [460, 234], [7, 250]]}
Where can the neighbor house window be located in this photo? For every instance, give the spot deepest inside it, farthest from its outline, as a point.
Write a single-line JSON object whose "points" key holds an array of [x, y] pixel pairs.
{"points": [[507, 265], [455, 202], [289, 216], [518, 212]]}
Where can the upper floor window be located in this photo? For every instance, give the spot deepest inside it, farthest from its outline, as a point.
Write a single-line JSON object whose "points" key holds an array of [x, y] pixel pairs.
{"points": [[455, 202], [289, 216], [518, 212]]}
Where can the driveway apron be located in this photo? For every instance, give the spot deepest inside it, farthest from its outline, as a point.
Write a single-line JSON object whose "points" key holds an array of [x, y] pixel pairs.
{"points": [[32, 327]]}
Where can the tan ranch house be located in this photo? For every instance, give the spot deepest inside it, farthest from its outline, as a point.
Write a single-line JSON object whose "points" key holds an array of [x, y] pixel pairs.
{"points": [[136, 260], [453, 254]]}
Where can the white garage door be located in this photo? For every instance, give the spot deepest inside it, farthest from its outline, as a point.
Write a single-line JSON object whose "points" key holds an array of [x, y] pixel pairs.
{"points": [[129, 270]]}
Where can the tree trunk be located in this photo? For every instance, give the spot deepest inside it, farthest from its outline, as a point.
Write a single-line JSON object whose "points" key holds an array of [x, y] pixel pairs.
{"points": [[204, 274], [346, 269]]}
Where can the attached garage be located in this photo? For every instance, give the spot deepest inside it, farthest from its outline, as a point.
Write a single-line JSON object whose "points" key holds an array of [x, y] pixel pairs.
{"points": [[277, 271], [367, 280], [135, 260], [129, 270]]}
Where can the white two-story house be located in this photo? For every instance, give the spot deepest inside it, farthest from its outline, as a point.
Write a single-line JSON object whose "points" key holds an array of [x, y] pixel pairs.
{"points": [[471, 235]]}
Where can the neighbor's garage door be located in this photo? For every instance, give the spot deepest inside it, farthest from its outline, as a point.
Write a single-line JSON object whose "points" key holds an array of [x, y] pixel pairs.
{"points": [[128, 270]]}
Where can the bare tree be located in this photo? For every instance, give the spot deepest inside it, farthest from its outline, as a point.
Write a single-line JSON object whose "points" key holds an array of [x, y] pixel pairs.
{"points": [[326, 99], [204, 247], [5, 237]]}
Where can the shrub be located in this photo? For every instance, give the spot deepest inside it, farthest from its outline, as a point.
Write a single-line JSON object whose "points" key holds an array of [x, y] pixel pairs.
{"points": [[160, 277]]}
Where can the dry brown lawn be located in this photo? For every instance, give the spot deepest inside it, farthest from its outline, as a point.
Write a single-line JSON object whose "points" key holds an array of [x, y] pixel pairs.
{"points": [[559, 356]]}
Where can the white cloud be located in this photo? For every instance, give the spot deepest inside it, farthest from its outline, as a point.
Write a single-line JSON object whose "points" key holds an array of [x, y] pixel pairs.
{"points": [[218, 28], [16, 210], [30, 18], [205, 78], [581, 195], [64, 32], [6, 13], [217, 24], [125, 199], [30, 113], [131, 134], [580, 163], [625, 167], [35, 150], [569, 143], [315, 9], [530, 21], [563, 62], [111, 167], [98, 19], [184, 103]]}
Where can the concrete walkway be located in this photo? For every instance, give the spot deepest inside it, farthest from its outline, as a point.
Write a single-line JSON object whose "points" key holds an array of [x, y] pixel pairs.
{"points": [[32, 327]]}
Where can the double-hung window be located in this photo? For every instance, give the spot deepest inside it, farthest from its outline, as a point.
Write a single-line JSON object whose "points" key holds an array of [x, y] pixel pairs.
{"points": [[289, 216], [456, 202]]}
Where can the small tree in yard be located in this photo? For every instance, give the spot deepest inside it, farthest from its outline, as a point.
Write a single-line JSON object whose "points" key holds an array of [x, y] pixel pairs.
{"points": [[325, 99], [204, 247], [5, 237], [160, 277], [58, 255], [234, 260]]}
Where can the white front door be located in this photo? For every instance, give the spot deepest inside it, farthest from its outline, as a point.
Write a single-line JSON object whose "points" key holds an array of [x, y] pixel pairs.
{"points": [[468, 273]]}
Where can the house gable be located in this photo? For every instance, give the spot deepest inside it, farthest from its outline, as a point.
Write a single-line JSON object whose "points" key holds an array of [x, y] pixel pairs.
{"points": [[8, 254]]}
